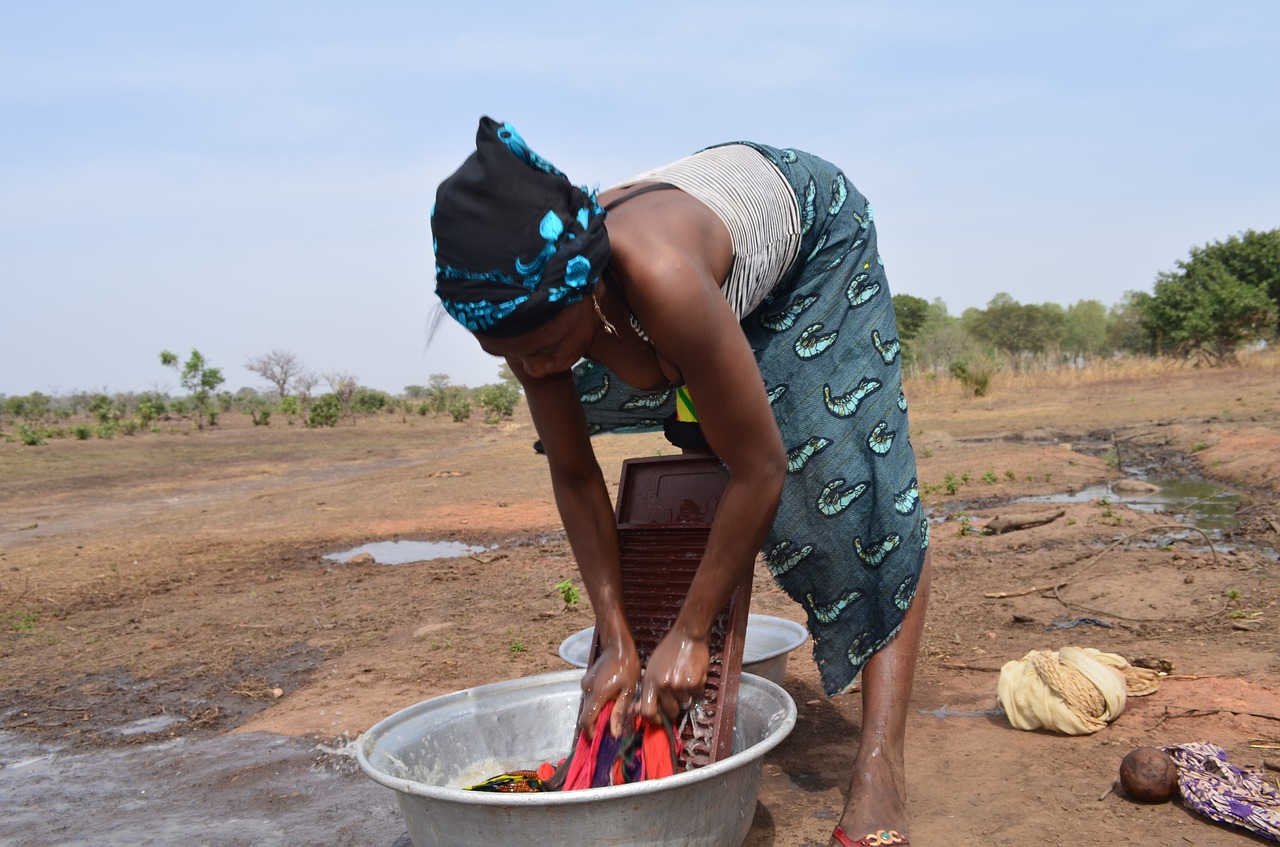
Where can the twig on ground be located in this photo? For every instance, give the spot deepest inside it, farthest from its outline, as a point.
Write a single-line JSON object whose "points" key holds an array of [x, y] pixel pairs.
{"points": [[1057, 586], [1000, 524], [1000, 595], [958, 666], [1193, 712], [1057, 596], [1193, 676]]}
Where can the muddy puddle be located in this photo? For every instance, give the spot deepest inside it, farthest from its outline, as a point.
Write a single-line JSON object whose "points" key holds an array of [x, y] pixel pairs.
{"points": [[255, 789], [407, 552], [1201, 504]]}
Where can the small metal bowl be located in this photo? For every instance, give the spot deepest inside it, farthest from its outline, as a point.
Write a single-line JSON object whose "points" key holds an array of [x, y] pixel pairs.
{"points": [[769, 643]]}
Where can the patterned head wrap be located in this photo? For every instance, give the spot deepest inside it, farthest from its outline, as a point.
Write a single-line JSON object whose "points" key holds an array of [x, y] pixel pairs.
{"points": [[514, 240]]}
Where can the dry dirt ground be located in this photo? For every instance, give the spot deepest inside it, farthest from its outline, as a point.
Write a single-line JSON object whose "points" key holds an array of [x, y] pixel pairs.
{"points": [[175, 584]]}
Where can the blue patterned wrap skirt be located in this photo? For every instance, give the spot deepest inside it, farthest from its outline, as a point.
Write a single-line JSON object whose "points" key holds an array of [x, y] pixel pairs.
{"points": [[849, 539]]}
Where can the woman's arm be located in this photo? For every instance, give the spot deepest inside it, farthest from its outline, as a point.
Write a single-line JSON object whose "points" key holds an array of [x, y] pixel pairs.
{"points": [[589, 522], [680, 304]]}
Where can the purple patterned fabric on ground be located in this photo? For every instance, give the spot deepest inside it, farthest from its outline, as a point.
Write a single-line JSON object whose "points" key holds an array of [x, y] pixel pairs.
{"points": [[1223, 792]]}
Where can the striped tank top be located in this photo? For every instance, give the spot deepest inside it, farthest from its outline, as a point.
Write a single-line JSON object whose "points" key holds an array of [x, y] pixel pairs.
{"points": [[758, 207]]}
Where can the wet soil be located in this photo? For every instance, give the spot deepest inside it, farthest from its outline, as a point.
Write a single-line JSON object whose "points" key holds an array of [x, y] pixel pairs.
{"points": [[176, 647]]}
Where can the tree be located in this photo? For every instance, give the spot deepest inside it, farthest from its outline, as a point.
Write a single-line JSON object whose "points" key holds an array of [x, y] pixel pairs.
{"points": [[912, 313], [1015, 329], [1204, 311], [1084, 330], [302, 384], [279, 367], [200, 379], [1124, 325], [344, 387], [1253, 258]]}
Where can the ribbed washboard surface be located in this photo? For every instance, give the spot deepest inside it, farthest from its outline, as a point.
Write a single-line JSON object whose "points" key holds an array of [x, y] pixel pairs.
{"points": [[665, 507]]}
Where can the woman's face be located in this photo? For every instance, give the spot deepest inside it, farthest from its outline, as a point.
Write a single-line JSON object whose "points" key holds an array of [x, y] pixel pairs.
{"points": [[554, 347]]}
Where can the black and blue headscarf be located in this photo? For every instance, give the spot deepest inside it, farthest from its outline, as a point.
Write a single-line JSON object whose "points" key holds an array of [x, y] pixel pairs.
{"points": [[514, 240]]}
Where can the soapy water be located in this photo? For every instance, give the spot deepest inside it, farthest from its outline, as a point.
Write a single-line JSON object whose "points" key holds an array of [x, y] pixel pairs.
{"points": [[236, 789]]}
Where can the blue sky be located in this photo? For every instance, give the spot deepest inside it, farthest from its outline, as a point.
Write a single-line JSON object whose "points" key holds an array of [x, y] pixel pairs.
{"points": [[239, 177]]}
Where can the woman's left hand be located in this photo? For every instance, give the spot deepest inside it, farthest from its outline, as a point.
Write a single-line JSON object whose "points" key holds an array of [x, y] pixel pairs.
{"points": [[675, 677]]}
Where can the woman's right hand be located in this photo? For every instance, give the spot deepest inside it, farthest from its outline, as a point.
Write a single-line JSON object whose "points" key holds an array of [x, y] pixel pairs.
{"points": [[613, 676]]}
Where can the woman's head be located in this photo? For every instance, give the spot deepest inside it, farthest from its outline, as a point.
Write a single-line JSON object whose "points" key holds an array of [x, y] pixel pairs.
{"points": [[515, 241]]}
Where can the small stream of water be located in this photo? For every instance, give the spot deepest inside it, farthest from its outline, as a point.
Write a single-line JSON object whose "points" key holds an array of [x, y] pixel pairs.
{"points": [[1201, 504]]}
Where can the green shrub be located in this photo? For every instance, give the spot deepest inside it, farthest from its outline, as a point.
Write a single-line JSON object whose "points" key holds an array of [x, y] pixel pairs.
{"points": [[498, 400], [23, 621], [103, 409], [974, 376], [950, 483], [290, 408], [32, 436], [568, 593], [82, 431], [150, 408], [460, 409], [366, 401], [325, 411]]}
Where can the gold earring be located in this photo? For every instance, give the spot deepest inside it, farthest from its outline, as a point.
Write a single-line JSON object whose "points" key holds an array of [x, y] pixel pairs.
{"points": [[608, 327]]}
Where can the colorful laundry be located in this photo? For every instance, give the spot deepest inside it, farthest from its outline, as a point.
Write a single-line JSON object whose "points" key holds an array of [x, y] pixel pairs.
{"points": [[517, 782], [643, 751]]}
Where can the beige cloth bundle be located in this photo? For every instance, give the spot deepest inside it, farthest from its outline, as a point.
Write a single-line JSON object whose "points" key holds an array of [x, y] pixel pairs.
{"points": [[1075, 691]]}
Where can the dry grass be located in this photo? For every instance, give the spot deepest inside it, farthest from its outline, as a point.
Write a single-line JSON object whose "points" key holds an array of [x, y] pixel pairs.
{"points": [[944, 387]]}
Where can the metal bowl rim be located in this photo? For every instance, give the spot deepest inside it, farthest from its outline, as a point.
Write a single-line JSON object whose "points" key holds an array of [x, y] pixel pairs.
{"points": [[721, 769], [797, 632]]}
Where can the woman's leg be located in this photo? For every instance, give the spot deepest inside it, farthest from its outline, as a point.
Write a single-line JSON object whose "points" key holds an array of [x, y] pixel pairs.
{"points": [[877, 790]]}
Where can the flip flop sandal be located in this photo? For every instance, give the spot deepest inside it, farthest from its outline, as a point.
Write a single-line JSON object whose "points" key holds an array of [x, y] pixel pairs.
{"points": [[871, 839]]}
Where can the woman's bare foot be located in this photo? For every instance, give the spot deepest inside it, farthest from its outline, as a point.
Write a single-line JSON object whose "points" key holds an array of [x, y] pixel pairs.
{"points": [[877, 798]]}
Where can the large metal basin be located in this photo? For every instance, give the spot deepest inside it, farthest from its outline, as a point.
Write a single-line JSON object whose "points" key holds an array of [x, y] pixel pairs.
{"points": [[428, 753], [769, 642]]}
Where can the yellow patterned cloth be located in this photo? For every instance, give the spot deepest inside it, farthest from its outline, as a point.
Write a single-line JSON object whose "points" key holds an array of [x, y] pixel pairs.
{"points": [[1074, 691]]}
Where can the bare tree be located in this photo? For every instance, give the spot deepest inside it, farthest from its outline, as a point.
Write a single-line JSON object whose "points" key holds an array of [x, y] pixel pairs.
{"points": [[303, 384], [344, 387], [279, 367]]}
